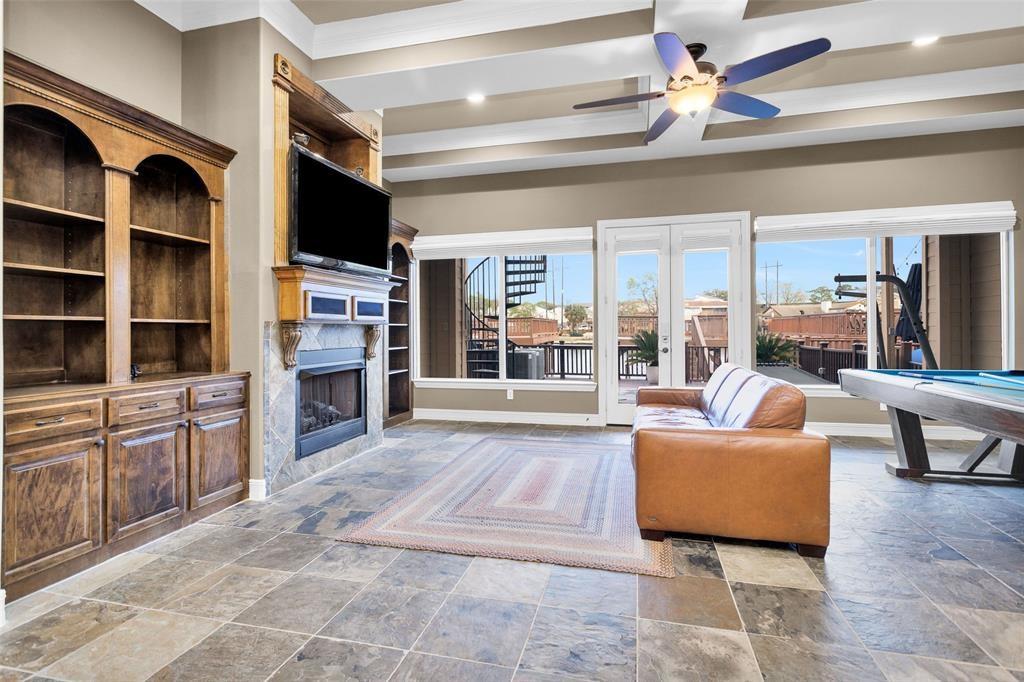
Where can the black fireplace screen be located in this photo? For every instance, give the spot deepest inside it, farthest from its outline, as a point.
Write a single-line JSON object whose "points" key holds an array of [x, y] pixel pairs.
{"points": [[331, 398]]}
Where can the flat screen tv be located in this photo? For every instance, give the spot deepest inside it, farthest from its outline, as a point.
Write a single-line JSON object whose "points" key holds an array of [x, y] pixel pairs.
{"points": [[339, 220]]}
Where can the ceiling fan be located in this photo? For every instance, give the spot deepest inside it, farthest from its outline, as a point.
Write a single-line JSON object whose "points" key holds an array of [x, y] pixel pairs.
{"points": [[695, 85]]}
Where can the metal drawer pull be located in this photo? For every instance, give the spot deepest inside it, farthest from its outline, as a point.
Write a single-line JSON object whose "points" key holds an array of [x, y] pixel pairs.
{"points": [[148, 406], [218, 394], [47, 422]]}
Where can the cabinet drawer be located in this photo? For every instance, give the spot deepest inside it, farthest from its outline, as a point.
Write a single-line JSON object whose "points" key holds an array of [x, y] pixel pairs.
{"points": [[35, 423], [224, 394], [144, 406]]}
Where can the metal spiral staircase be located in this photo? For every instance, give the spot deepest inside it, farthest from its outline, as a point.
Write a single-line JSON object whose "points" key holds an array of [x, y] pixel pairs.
{"points": [[522, 275]]}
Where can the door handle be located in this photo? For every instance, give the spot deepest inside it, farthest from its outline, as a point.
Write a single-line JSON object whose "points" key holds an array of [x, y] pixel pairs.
{"points": [[665, 349]]}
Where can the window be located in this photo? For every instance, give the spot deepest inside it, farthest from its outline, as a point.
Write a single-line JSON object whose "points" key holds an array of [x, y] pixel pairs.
{"points": [[549, 317], [705, 313], [538, 308], [953, 283], [809, 326]]}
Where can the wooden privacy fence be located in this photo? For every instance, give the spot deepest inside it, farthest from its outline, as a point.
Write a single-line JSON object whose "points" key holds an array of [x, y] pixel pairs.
{"points": [[846, 324]]}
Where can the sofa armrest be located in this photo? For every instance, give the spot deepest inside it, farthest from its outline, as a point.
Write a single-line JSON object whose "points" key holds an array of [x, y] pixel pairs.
{"points": [[686, 397]]}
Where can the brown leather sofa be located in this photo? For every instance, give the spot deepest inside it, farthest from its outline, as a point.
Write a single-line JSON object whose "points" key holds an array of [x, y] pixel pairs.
{"points": [[731, 459]]}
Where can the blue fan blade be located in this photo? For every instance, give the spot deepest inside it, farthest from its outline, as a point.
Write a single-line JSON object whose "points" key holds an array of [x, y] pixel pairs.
{"points": [[744, 105], [775, 61], [674, 55], [642, 97], [661, 125]]}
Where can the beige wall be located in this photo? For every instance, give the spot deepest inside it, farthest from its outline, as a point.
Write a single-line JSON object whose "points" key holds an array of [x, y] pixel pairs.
{"points": [[935, 169], [115, 46], [220, 99]]}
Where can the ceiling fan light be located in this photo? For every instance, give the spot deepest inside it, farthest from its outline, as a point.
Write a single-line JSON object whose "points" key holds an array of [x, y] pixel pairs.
{"points": [[692, 99]]}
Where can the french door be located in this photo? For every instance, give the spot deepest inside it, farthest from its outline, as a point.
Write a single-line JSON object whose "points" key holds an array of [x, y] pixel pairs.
{"points": [[675, 305]]}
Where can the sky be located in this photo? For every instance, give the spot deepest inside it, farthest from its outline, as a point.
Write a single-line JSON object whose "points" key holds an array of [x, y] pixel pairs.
{"points": [[805, 265]]}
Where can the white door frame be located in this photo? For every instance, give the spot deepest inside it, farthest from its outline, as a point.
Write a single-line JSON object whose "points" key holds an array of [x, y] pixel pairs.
{"points": [[673, 234]]}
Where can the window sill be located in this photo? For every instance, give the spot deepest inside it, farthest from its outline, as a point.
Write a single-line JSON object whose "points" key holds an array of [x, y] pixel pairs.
{"points": [[824, 392], [506, 384]]}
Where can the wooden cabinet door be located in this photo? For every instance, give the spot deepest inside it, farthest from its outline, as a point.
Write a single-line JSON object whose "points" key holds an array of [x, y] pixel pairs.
{"points": [[145, 477], [220, 454], [52, 508]]}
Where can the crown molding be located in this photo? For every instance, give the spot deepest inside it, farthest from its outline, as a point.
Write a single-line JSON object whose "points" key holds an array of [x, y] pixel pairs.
{"points": [[384, 31]]}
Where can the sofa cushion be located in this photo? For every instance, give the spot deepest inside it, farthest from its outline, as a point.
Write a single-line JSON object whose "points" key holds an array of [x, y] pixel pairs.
{"points": [[722, 388], [757, 402]]}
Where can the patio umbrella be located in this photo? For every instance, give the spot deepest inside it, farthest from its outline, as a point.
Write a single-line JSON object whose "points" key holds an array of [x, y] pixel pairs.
{"points": [[904, 328]]}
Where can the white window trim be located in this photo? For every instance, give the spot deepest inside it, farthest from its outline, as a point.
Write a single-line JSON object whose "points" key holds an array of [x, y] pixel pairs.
{"points": [[554, 241], [971, 218], [566, 386], [562, 240]]}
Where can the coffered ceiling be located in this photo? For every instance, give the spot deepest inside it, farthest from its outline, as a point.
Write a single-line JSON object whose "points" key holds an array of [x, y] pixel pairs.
{"points": [[418, 60]]}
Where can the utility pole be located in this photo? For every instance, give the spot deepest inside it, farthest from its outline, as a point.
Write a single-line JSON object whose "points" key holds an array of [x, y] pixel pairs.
{"points": [[767, 267]]}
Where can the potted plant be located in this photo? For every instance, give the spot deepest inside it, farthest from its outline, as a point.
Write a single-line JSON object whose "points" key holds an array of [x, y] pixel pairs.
{"points": [[772, 349], [646, 351]]}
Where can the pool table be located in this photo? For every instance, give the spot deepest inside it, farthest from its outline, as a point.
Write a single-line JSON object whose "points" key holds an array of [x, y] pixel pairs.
{"points": [[988, 401]]}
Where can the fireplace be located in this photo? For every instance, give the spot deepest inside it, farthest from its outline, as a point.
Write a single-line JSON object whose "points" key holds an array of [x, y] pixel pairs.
{"points": [[331, 398]]}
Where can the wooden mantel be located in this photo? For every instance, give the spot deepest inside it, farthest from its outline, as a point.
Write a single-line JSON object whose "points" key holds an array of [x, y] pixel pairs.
{"points": [[312, 295], [335, 132]]}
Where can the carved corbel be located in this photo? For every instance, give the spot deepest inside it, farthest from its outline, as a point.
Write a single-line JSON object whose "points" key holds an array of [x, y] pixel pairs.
{"points": [[372, 337], [291, 334]]}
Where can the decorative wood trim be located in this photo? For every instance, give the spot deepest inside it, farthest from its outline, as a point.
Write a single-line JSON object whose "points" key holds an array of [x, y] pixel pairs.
{"points": [[403, 232], [291, 334], [372, 333], [29, 76]]}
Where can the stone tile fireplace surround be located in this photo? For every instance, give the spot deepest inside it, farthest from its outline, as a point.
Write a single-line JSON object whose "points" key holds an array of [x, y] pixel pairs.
{"points": [[281, 467]]}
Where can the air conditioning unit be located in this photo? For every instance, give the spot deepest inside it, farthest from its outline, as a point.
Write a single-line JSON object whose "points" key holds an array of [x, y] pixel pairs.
{"points": [[525, 363]]}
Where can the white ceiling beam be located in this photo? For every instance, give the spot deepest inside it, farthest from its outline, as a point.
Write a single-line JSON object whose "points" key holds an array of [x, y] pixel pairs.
{"points": [[980, 121]]}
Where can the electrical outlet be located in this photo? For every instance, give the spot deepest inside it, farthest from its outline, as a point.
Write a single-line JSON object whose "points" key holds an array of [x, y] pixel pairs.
{"points": [[509, 394]]}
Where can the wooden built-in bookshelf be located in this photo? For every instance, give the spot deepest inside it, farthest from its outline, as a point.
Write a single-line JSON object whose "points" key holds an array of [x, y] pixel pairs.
{"points": [[398, 334]]}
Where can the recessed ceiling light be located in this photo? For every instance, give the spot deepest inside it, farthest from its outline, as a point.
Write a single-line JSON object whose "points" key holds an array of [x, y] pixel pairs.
{"points": [[924, 40], [475, 97]]}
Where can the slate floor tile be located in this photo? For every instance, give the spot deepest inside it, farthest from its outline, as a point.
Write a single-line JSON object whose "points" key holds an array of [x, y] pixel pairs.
{"points": [[420, 667], [766, 566], [794, 659], [425, 570], [286, 552], [386, 615], [484, 630], [224, 593], [155, 582], [82, 583], [670, 651], [596, 646], [264, 515], [587, 589], [302, 603], [689, 600], [348, 561], [134, 650], [897, 625], [331, 523], [233, 652], [326, 659], [30, 606], [696, 558], [48, 638], [902, 668], [789, 612], [999, 633], [225, 544], [521, 581]]}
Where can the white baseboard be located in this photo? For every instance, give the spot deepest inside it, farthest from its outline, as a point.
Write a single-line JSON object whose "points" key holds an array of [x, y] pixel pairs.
{"points": [[3, 603], [257, 489], [509, 417], [883, 431]]}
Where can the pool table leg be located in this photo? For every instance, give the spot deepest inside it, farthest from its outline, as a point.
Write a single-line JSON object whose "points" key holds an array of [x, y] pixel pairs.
{"points": [[1011, 459], [910, 448]]}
